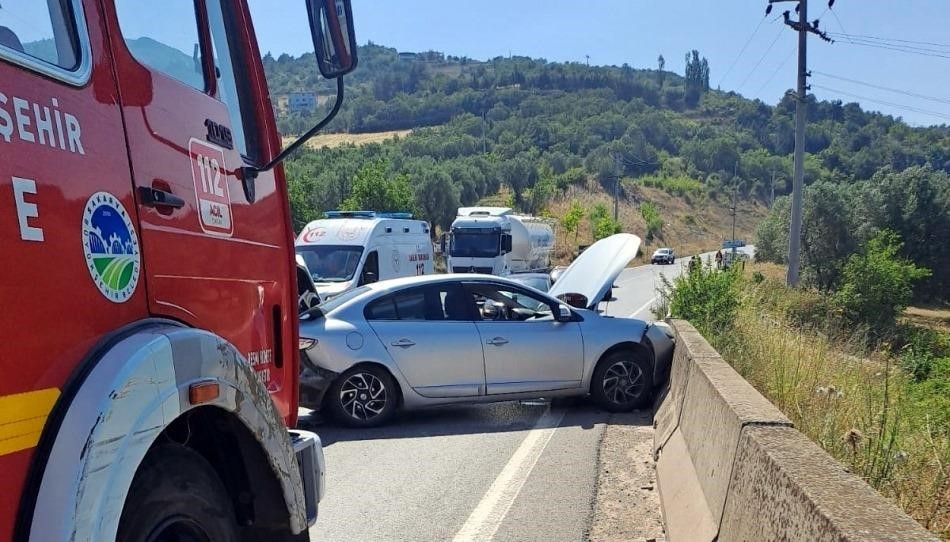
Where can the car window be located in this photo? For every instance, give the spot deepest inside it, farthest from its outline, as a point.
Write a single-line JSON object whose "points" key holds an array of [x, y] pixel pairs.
{"points": [[164, 37], [503, 303], [438, 302]]}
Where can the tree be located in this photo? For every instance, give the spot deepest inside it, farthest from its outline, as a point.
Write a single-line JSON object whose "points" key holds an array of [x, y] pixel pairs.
{"points": [[373, 190], [697, 77], [877, 283], [437, 199], [660, 73], [571, 221]]}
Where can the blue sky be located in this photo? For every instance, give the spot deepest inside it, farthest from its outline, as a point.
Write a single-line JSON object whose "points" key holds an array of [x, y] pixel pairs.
{"points": [[627, 31], [637, 31]]}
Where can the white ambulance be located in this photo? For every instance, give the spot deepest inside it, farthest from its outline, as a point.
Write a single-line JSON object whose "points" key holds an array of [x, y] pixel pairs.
{"points": [[351, 248]]}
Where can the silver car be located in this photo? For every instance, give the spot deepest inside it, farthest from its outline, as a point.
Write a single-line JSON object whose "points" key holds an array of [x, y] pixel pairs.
{"points": [[441, 339]]}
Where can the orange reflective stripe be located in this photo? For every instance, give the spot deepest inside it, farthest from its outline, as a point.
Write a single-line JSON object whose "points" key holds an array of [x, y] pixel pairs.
{"points": [[22, 417]]}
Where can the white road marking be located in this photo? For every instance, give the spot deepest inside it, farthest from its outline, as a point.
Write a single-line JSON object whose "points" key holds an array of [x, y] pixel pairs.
{"points": [[643, 308], [492, 509]]}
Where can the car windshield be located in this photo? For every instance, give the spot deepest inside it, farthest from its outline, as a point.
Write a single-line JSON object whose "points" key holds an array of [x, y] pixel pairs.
{"points": [[538, 283], [331, 263], [336, 301], [475, 245]]}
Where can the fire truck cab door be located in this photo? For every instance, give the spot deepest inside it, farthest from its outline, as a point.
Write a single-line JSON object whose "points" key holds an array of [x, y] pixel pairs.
{"points": [[193, 106]]}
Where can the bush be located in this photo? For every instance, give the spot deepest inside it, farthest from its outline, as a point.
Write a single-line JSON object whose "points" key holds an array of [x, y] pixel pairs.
{"points": [[708, 298], [877, 285], [652, 217]]}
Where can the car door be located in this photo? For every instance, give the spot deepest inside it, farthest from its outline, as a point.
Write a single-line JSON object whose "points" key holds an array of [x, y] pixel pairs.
{"points": [[219, 257], [430, 334], [536, 354]]}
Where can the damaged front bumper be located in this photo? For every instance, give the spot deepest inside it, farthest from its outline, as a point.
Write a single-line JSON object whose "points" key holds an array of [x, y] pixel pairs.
{"points": [[314, 382]]}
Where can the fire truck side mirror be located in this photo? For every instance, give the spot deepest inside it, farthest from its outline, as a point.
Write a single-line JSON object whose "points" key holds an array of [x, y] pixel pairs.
{"points": [[331, 25]]}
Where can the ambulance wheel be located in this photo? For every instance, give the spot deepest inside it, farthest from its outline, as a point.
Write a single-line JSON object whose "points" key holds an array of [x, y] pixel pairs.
{"points": [[177, 496]]}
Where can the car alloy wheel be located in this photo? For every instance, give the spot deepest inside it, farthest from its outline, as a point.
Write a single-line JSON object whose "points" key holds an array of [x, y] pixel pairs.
{"points": [[624, 382], [363, 397]]}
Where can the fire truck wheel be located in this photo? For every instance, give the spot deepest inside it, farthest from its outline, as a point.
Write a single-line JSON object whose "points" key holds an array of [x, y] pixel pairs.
{"points": [[364, 396], [176, 495]]}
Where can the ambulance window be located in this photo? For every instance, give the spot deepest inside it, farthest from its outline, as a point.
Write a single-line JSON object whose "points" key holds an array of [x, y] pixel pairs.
{"points": [[164, 37], [45, 31], [231, 68]]}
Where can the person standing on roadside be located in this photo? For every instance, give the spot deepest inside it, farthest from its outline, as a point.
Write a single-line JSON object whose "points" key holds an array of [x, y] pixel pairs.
{"points": [[718, 259]]}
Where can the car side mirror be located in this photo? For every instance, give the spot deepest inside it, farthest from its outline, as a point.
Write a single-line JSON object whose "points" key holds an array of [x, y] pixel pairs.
{"points": [[370, 277], [563, 313], [506, 242], [334, 42]]}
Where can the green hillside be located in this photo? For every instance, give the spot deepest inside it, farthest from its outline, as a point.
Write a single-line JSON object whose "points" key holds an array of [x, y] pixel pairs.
{"points": [[538, 127]]}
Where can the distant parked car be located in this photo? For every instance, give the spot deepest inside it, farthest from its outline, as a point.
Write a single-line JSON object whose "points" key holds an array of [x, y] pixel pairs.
{"points": [[556, 272], [663, 255], [441, 339]]}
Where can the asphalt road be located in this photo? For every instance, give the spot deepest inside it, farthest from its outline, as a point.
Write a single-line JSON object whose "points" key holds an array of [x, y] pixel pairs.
{"points": [[509, 471], [636, 287]]}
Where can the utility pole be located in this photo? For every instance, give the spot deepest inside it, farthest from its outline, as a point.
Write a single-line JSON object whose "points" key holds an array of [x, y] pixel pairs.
{"points": [[735, 203], [772, 195], [619, 160], [803, 27]]}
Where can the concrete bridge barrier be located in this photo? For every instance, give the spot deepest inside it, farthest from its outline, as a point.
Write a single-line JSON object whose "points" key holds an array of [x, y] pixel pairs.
{"points": [[730, 466]]}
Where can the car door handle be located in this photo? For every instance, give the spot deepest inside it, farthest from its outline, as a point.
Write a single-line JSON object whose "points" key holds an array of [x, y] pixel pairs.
{"points": [[154, 197], [497, 341], [405, 343]]}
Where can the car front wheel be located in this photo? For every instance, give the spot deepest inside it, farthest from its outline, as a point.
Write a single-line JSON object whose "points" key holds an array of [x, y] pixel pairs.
{"points": [[364, 396], [622, 381]]}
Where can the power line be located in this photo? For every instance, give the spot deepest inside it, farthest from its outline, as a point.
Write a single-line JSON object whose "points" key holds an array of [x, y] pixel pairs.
{"points": [[901, 49], [757, 64], [843, 31], [884, 102], [778, 69], [878, 38], [900, 46], [744, 47], [889, 89]]}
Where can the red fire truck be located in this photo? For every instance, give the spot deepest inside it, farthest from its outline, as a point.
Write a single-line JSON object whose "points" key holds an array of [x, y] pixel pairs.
{"points": [[149, 368]]}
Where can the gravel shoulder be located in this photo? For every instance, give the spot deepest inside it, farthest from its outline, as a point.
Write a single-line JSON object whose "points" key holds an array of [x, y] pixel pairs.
{"points": [[627, 503]]}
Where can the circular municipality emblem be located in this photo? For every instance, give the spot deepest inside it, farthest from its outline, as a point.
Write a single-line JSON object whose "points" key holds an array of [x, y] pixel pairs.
{"points": [[111, 247]]}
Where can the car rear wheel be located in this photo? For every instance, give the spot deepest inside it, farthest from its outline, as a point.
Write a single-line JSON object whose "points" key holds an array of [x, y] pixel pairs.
{"points": [[364, 396], [622, 381]]}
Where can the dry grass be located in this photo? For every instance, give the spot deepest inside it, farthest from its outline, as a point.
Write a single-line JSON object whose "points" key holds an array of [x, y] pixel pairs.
{"points": [[690, 226], [864, 411], [335, 140], [937, 318]]}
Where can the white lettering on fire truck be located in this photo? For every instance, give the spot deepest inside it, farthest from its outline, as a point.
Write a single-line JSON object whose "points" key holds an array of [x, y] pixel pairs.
{"points": [[39, 124], [259, 360], [26, 210]]}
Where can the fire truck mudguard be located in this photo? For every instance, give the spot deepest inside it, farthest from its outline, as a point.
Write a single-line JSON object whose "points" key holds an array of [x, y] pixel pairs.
{"points": [[158, 376]]}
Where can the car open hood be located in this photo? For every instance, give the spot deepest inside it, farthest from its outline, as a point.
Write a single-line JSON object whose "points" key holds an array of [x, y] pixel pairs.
{"points": [[594, 271]]}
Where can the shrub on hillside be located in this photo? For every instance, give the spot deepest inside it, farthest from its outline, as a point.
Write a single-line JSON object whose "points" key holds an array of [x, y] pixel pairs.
{"points": [[877, 284], [652, 217], [705, 296]]}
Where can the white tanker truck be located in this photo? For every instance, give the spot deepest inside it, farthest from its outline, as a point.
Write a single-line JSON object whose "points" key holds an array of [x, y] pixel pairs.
{"points": [[494, 241]]}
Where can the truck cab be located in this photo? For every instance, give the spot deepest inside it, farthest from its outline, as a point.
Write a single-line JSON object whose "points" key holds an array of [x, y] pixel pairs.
{"points": [[496, 241], [152, 274]]}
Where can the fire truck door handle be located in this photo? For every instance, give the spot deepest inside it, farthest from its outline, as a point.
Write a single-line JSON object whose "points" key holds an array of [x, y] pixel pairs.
{"points": [[153, 197]]}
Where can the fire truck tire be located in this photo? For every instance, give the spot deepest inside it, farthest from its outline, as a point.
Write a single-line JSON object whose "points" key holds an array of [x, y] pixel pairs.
{"points": [[176, 495]]}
